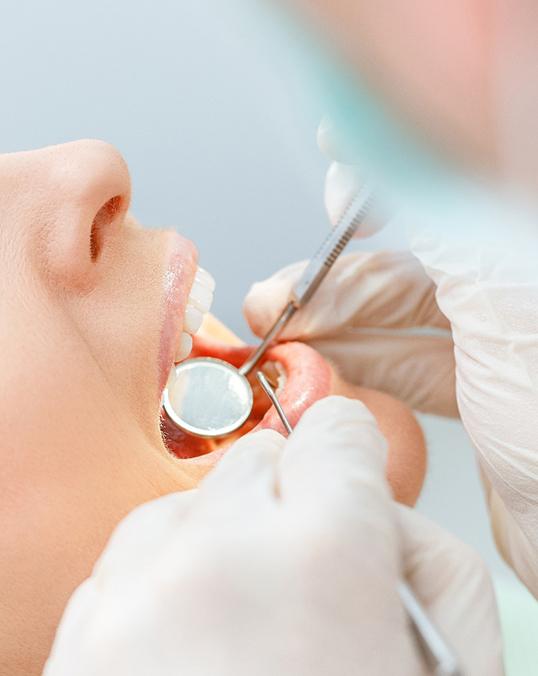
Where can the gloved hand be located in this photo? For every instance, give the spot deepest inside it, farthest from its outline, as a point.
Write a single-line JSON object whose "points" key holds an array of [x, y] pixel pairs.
{"points": [[482, 297], [359, 319], [285, 561]]}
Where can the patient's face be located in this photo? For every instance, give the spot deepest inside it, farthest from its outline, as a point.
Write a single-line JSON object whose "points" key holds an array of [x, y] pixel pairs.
{"points": [[91, 310], [87, 336]]}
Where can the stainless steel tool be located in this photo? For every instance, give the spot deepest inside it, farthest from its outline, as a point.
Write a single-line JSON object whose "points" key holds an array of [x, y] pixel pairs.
{"points": [[208, 397]]}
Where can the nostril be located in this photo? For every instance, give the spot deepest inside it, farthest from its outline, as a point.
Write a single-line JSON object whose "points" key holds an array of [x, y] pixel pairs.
{"points": [[104, 217]]}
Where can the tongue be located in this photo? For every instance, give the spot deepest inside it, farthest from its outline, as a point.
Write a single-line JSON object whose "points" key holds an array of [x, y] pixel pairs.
{"points": [[307, 379]]}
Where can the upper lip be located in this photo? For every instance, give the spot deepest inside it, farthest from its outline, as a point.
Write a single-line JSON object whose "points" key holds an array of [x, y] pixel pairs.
{"points": [[178, 281]]}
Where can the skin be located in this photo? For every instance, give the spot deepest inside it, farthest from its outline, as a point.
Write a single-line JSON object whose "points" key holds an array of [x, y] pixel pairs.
{"points": [[80, 338]]}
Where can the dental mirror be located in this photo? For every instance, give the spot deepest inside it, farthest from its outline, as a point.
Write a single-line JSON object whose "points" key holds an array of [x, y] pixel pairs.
{"points": [[208, 397]]}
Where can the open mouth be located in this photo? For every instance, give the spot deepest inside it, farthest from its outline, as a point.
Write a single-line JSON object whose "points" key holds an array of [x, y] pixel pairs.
{"points": [[300, 375]]}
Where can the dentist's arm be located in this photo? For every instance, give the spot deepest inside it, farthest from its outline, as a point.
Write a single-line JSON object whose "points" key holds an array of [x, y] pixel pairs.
{"points": [[285, 561]]}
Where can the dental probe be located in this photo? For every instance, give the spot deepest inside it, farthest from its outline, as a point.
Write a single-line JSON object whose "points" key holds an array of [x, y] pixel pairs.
{"points": [[316, 270], [437, 653], [269, 391], [209, 397]]}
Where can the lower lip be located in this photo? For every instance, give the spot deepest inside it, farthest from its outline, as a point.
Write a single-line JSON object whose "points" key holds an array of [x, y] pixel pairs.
{"points": [[178, 280], [308, 378]]}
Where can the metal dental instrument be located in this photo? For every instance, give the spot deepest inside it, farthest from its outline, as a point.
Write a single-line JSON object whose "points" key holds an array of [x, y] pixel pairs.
{"points": [[210, 398], [317, 269], [438, 655], [269, 391]]}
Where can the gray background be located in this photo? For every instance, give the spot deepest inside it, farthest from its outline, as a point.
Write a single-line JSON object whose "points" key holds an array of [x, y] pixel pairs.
{"points": [[208, 106]]}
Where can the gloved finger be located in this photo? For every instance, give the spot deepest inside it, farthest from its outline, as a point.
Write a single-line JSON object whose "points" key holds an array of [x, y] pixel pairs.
{"points": [[513, 544], [342, 183], [332, 144], [454, 585], [334, 462], [80, 610], [141, 534], [388, 290], [343, 180], [245, 478], [417, 369]]}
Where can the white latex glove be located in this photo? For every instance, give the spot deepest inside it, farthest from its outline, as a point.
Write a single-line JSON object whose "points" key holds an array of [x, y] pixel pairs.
{"points": [[285, 561], [484, 361]]}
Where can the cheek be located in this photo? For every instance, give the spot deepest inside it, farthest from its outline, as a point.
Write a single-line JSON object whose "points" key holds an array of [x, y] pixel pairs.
{"points": [[121, 320], [406, 461]]}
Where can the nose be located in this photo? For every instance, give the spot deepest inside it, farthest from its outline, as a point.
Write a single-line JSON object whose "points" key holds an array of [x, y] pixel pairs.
{"points": [[86, 189]]}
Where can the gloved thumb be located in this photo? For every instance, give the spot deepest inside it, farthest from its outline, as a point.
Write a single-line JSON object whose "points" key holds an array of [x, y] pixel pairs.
{"points": [[387, 290], [449, 577]]}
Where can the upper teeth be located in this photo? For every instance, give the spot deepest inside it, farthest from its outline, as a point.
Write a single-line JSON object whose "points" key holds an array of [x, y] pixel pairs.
{"points": [[198, 304]]}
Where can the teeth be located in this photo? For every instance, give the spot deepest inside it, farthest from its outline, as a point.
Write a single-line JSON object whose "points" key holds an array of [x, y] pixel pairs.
{"points": [[276, 374], [201, 296], [185, 346], [193, 319], [205, 278], [198, 304]]}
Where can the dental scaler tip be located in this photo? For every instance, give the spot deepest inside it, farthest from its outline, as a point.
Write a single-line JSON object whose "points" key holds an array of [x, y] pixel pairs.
{"points": [[269, 391]]}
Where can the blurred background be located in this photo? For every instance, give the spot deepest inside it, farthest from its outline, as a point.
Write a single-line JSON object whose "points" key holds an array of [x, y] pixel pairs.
{"points": [[213, 115]]}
